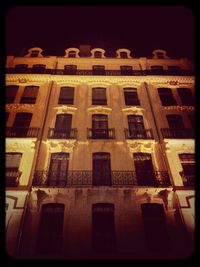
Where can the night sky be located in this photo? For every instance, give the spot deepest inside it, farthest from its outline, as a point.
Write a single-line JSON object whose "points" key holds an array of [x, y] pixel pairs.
{"points": [[138, 28]]}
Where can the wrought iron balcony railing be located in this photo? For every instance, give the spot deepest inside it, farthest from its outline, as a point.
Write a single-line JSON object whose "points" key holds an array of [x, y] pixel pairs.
{"points": [[177, 133], [188, 180], [12, 177], [101, 133], [62, 133], [106, 72], [138, 134], [22, 132], [86, 178]]}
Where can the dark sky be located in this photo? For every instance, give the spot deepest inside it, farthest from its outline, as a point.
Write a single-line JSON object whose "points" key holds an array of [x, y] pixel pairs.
{"points": [[138, 28]]}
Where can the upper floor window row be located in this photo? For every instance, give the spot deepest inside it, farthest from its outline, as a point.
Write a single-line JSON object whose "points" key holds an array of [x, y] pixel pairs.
{"points": [[167, 98], [28, 97]]}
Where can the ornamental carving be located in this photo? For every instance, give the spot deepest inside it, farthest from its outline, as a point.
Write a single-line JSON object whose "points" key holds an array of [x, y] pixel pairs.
{"points": [[183, 145], [61, 146], [133, 110], [145, 146], [20, 146], [181, 108], [19, 107], [100, 109], [65, 109]]}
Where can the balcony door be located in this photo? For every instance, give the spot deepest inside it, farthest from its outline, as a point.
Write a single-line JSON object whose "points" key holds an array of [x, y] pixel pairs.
{"points": [[175, 121], [50, 232], [101, 169], [58, 169], [22, 123], [136, 126], [144, 169], [99, 126], [63, 126]]}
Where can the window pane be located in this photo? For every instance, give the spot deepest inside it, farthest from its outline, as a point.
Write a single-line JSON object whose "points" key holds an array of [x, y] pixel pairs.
{"points": [[21, 68], [166, 97], [30, 94], [131, 97], [123, 54], [72, 54], [13, 160], [186, 96], [70, 69], [99, 96], [97, 54], [38, 68], [175, 121], [11, 91], [66, 95]]}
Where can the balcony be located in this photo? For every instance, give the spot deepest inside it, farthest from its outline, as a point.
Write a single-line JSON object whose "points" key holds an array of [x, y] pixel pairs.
{"points": [[177, 133], [12, 177], [101, 133], [188, 179], [85, 179], [62, 133], [138, 134], [22, 132]]}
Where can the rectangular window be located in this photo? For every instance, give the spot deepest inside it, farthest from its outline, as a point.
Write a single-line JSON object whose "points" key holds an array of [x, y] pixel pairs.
{"points": [[166, 97], [29, 95], [66, 95], [38, 68], [192, 120], [70, 69], [157, 70], [99, 96], [72, 54], [11, 91], [188, 165], [98, 70], [126, 70], [103, 228], [186, 96], [175, 121], [101, 169], [12, 169], [131, 97], [21, 124], [21, 68], [99, 126]]}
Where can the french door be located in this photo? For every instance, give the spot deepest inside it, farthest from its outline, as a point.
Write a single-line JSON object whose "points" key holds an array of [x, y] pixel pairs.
{"points": [[101, 169]]}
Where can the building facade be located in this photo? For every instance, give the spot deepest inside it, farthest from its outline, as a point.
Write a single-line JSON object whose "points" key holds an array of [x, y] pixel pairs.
{"points": [[99, 155]]}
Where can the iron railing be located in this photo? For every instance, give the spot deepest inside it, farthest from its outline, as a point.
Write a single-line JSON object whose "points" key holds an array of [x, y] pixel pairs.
{"points": [[85, 179], [12, 177], [62, 133], [177, 133], [188, 180], [138, 134], [101, 133], [22, 132], [105, 72]]}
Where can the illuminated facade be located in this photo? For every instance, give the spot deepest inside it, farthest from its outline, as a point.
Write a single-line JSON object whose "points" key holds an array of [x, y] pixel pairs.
{"points": [[99, 155]]}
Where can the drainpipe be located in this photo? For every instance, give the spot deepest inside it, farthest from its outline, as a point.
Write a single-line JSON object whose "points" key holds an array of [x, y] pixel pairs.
{"points": [[160, 139], [35, 160]]}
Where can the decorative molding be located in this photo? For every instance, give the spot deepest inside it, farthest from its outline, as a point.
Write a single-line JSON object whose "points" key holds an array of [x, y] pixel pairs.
{"points": [[19, 107], [186, 145], [141, 146], [65, 109], [17, 78], [61, 146], [83, 142], [133, 110], [180, 108], [99, 109], [20, 144]]}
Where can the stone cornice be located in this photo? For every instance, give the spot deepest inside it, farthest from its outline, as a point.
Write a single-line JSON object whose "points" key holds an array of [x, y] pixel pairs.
{"points": [[19, 107], [99, 109], [65, 109], [133, 110], [20, 144]]}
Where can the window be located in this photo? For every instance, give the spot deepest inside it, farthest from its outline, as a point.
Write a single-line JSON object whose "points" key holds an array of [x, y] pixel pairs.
{"points": [[192, 119], [166, 97], [34, 53], [70, 69], [99, 126], [50, 232], [101, 169], [12, 169], [186, 96], [11, 91], [99, 96], [38, 68], [72, 54], [30, 94], [98, 70], [136, 126], [131, 97], [21, 68], [174, 69], [58, 169], [160, 55], [175, 121], [66, 95], [123, 55], [144, 169], [97, 54], [156, 69], [126, 70], [21, 124], [188, 165], [63, 126], [155, 227], [103, 228]]}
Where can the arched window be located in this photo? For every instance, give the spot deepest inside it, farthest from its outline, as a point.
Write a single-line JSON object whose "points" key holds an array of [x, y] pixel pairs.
{"points": [[103, 228], [72, 54], [50, 234], [34, 53], [98, 54], [123, 55], [101, 169]]}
